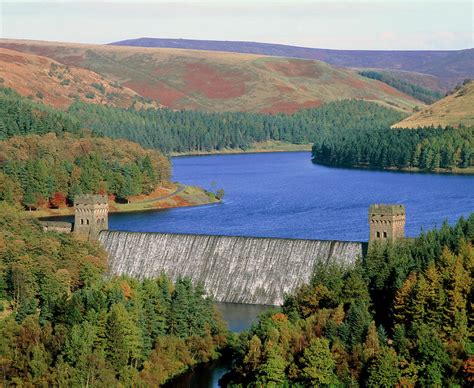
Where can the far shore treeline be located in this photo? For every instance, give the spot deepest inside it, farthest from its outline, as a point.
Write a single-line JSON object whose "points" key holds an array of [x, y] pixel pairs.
{"points": [[47, 156]]}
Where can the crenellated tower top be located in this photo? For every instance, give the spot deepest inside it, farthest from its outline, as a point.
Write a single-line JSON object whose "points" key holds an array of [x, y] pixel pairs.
{"points": [[387, 222]]}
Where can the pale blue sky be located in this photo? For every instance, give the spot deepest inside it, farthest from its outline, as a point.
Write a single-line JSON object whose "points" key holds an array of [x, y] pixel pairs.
{"points": [[352, 24]]}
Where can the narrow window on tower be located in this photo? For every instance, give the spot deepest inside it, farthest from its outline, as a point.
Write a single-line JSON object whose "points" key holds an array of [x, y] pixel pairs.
{"points": [[378, 234], [384, 234]]}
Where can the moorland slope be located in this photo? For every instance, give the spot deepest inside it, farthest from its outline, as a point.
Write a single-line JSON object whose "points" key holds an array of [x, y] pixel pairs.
{"points": [[449, 67], [47, 81], [220, 81], [455, 109]]}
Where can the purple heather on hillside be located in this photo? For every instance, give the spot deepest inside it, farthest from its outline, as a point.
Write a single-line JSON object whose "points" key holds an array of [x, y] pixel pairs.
{"points": [[450, 67]]}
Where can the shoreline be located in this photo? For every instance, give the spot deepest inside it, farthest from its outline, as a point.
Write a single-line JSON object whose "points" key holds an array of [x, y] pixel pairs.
{"points": [[182, 196], [407, 170], [257, 148]]}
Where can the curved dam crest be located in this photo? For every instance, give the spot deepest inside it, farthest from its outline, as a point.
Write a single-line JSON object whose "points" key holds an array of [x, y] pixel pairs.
{"points": [[232, 269]]}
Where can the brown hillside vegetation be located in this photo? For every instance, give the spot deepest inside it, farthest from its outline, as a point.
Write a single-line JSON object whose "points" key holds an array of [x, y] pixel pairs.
{"points": [[47, 81], [220, 81], [456, 108], [446, 67]]}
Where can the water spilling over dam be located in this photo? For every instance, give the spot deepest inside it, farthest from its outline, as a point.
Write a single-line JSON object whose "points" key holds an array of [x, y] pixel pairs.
{"points": [[231, 269]]}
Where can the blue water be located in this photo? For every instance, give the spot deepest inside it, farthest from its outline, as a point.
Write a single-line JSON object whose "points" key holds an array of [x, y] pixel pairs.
{"points": [[286, 195]]}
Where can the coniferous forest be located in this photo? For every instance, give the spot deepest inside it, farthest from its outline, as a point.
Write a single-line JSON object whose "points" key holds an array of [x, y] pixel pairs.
{"points": [[349, 133], [403, 317], [190, 131], [46, 158], [420, 93], [423, 148]]}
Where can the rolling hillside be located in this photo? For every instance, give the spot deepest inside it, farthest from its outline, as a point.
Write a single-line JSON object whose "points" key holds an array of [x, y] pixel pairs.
{"points": [[456, 108], [45, 80], [450, 67], [219, 81]]}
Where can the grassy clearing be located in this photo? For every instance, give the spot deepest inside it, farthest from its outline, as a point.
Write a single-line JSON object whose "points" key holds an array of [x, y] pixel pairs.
{"points": [[260, 147]]}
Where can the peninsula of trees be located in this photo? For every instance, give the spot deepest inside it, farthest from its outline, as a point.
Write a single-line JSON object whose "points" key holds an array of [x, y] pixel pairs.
{"points": [[440, 137], [46, 159]]}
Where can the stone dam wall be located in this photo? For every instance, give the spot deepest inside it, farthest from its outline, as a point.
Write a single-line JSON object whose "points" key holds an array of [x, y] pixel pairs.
{"points": [[232, 269]]}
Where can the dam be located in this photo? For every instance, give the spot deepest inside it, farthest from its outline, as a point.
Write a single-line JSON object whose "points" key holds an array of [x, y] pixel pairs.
{"points": [[231, 269], [251, 270]]}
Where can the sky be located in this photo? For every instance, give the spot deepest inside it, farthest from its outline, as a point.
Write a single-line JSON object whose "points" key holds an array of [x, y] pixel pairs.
{"points": [[350, 24]]}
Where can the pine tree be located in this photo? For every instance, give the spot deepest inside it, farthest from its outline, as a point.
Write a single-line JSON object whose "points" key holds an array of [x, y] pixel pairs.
{"points": [[123, 339], [272, 371], [384, 370], [372, 344], [318, 363]]}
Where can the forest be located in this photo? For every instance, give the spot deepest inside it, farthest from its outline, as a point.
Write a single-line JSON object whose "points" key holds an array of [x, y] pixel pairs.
{"points": [[424, 148], [402, 317], [63, 323], [46, 158], [420, 93], [21, 116], [185, 131], [191, 131], [49, 170]]}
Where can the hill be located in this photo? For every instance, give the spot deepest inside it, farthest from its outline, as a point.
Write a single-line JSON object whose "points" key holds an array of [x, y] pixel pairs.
{"points": [[219, 81], [451, 67], [455, 109], [45, 80]]}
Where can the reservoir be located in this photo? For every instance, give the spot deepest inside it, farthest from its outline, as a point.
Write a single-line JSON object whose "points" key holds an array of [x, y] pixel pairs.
{"points": [[286, 195]]}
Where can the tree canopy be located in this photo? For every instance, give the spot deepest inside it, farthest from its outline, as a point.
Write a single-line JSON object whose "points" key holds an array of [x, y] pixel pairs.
{"points": [[185, 131], [62, 323], [403, 316]]}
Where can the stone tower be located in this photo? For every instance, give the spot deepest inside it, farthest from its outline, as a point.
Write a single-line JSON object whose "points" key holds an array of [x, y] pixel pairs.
{"points": [[387, 222], [91, 215]]}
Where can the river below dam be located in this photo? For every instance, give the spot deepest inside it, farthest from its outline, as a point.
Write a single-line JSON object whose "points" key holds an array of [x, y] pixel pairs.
{"points": [[239, 317]]}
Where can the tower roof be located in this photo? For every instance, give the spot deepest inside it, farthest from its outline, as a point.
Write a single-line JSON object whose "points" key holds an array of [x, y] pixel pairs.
{"points": [[389, 209], [90, 199]]}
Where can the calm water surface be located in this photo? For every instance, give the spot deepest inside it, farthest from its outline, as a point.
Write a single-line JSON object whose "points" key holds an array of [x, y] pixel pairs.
{"points": [[286, 195]]}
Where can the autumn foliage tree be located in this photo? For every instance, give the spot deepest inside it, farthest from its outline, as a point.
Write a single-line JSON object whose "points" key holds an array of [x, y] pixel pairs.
{"points": [[49, 170], [63, 324]]}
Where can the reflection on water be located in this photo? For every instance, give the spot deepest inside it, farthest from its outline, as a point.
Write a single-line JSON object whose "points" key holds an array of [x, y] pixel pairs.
{"points": [[239, 317]]}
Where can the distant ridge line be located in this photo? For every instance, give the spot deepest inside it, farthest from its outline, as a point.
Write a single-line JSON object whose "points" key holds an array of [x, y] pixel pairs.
{"points": [[450, 66], [175, 42]]}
